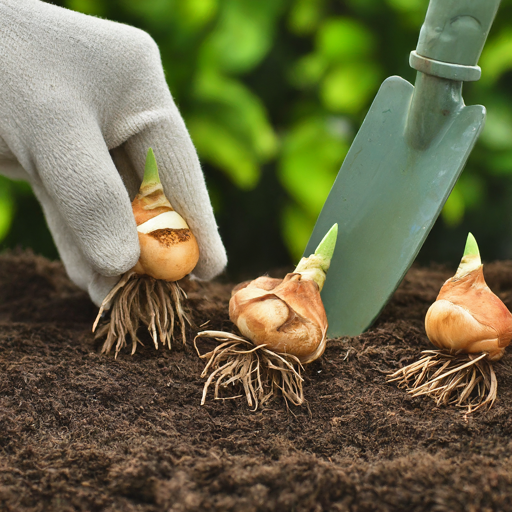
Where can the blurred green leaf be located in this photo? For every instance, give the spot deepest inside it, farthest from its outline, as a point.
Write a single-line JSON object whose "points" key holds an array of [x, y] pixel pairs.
{"points": [[472, 189], [348, 88], [196, 13], [308, 70], [497, 132], [305, 16], [7, 207], [21, 188], [453, 210], [365, 6], [297, 227], [216, 198], [410, 13], [409, 6], [93, 7], [312, 153], [233, 106], [467, 194], [342, 39], [242, 36], [496, 57], [221, 148], [153, 12], [501, 163], [230, 128]]}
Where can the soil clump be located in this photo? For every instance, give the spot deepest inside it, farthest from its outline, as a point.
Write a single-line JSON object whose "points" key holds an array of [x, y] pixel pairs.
{"points": [[81, 431]]}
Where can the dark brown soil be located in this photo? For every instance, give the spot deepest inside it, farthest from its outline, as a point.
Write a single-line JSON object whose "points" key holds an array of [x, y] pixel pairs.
{"points": [[81, 431]]}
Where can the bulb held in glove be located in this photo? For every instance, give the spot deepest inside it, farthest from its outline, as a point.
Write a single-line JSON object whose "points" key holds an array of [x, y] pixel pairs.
{"points": [[168, 248]]}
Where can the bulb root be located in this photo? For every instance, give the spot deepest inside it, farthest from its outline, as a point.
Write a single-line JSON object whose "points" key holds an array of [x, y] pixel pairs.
{"points": [[137, 300], [464, 380], [260, 371]]}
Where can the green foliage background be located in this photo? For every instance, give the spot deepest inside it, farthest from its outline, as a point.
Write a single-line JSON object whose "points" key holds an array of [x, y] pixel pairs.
{"points": [[273, 91]]}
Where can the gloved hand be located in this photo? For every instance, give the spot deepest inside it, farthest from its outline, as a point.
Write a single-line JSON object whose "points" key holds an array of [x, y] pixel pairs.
{"points": [[82, 99]]}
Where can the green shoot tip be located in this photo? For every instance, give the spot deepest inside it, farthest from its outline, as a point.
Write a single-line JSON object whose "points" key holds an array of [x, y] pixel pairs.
{"points": [[150, 169], [471, 248], [326, 247], [471, 259], [316, 266]]}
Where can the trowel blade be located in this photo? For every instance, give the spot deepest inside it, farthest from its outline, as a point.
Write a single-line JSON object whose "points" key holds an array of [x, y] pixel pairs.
{"points": [[385, 200]]}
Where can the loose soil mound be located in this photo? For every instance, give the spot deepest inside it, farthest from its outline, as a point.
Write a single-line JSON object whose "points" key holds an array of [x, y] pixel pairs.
{"points": [[84, 432]]}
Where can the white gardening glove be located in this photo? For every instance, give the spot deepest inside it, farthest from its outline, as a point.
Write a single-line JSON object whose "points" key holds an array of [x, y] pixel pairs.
{"points": [[81, 101]]}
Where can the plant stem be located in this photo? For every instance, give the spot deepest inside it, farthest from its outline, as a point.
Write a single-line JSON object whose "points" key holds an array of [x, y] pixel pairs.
{"points": [[315, 267], [471, 258]]}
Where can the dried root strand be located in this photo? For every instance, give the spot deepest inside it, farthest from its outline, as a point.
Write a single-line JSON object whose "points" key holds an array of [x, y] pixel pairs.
{"points": [[464, 380], [137, 300], [260, 371]]}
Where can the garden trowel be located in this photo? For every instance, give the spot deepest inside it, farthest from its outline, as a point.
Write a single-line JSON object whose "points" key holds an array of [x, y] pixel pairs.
{"points": [[402, 165]]}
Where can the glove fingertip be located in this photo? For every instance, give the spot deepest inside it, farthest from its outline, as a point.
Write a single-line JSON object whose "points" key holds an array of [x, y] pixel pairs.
{"points": [[100, 286], [211, 265], [114, 257]]}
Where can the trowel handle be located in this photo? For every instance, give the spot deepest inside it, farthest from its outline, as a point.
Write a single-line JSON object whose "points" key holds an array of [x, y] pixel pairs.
{"points": [[453, 36]]}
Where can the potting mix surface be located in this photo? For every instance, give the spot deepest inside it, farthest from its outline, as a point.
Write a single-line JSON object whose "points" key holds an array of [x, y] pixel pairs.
{"points": [[80, 431]]}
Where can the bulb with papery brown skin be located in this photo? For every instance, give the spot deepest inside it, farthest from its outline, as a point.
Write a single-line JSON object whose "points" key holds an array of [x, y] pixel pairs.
{"points": [[168, 248], [467, 316], [287, 315]]}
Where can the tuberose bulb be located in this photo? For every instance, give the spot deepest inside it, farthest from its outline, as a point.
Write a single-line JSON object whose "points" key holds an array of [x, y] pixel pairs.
{"points": [[287, 315], [467, 316], [168, 248]]}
